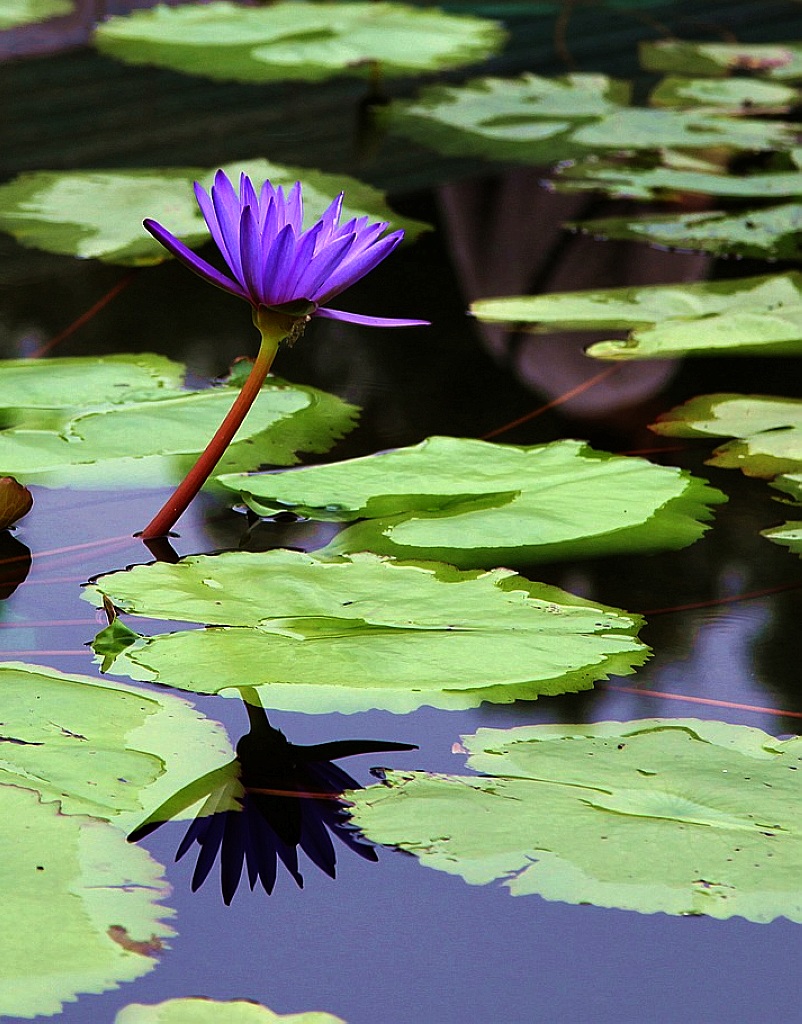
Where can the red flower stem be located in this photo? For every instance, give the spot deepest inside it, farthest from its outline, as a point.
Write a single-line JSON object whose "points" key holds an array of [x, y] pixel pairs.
{"points": [[167, 516]]}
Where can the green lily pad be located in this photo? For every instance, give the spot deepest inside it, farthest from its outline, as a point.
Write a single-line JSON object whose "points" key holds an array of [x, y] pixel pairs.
{"points": [[767, 431], [772, 232], [666, 815], [538, 120], [770, 60], [472, 503], [100, 748], [673, 175], [14, 13], [99, 214], [210, 1011], [745, 316], [739, 95], [81, 906], [789, 535], [292, 40], [365, 632], [137, 429]]}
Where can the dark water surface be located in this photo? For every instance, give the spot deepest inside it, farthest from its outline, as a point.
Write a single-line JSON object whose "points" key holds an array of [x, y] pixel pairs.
{"points": [[394, 942]]}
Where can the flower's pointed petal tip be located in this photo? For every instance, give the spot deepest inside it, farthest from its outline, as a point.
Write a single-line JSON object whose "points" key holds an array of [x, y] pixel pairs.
{"points": [[369, 321], [194, 262]]}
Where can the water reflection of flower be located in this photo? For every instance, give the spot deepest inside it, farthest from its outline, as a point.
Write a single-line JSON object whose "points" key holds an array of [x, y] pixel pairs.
{"points": [[274, 799]]}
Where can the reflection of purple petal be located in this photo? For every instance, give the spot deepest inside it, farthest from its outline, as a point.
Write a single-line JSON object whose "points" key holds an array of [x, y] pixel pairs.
{"points": [[232, 853], [209, 847], [367, 321]]}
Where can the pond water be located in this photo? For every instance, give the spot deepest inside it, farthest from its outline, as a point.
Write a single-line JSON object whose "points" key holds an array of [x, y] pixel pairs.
{"points": [[393, 941]]}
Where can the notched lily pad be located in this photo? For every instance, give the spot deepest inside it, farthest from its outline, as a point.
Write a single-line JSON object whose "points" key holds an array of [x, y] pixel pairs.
{"points": [[365, 632], [291, 40], [98, 214], [472, 503], [137, 428], [744, 316], [198, 1010], [82, 910], [666, 815]]}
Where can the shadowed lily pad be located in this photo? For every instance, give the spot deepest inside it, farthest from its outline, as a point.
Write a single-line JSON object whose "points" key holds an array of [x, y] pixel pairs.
{"points": [[770, 60], [472, 503], [666, 815], [738, 95], [14, 13], [745, 316], [98, 214], [365, 632], [291, 40]]}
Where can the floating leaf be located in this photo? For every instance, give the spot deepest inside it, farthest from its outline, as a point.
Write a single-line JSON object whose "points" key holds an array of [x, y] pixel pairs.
{"points": [[772, 60], [139, 430], [472, 503], [675, 816], [365, 632], [774, 232], [738, 95], [538, 120], [746, 316], [16, 501], [767, 431], [100, 748], [81, 906], [789, 535], [14, 13], [198, 1010], [676, 174], [99, 214], [290, 40]]}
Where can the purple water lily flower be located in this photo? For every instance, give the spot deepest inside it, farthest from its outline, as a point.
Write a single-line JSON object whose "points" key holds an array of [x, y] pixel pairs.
{"points": [[274, 263]]}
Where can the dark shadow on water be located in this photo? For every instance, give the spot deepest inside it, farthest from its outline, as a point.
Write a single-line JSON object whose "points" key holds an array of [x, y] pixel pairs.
{"points": [[274, 799]]}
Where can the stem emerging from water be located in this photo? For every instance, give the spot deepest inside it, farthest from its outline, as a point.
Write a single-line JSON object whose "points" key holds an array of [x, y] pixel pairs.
{"points": [[274, 329]]}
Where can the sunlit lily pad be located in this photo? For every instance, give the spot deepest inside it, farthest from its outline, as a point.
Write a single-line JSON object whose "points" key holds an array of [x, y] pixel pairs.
{"points": [[365, 632], [770, 60], [14, 13], [635, 177], [773, 232], [99, 214], [538, 120], [473, 503], [81, 910], [739, 95], [675, 816], [97, 747], [745, 316], [291, 40], [210, 1011], [138, 429], [767, 431]]}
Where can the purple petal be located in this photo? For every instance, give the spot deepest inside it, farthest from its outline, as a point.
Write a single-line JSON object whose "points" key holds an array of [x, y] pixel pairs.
{"points": [[356, 266], [368, 321], [305, 247], [247, 193], [322, 266], [251, 254], [227, 209], [295, 208], [277, 263], [331, 217], [194, 262], [209, 215]]}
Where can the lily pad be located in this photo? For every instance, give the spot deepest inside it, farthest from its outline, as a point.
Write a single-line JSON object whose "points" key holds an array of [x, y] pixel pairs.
{"points": [[137, 429], [100, 748], [210, 1011], [538, 120], [81, 906], [770, 60], [14, 13], [472, 503], [742, 316], [292, 40], [666, 815], [99, 214], [738, 95], [365, 632], [767, 431], [773, 232]]}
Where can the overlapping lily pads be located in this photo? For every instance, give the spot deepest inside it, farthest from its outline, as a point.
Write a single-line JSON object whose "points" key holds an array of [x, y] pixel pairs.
{"points": [[14, 13], [671, 815], [122, 421], [99, 214], [365, 632], [472, 503], [81, 906], [211, 1011], [292, 40], [539, 120], [743, 316], [770, 60]]}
